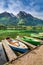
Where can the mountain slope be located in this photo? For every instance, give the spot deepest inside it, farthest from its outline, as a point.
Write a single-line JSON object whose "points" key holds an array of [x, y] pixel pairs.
{"points": [[8, 19], [22, 18], [28, 19]]}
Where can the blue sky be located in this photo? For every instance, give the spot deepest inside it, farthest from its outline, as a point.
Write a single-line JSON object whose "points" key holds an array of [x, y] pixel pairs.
{"points": [[34, 7]]}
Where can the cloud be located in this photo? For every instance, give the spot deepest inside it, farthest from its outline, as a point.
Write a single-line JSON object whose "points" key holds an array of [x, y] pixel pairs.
{"points": [[35, 7], [36, 14]]}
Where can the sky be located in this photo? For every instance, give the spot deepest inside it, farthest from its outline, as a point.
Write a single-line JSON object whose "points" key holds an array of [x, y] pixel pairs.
{"points": [[34, 7]]}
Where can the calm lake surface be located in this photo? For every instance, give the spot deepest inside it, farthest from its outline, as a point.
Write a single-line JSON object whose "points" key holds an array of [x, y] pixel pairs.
{"points": [[2, 55]]}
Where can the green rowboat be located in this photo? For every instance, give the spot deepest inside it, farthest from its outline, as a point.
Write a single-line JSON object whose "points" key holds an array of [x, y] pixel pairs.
{"points": [[31, 40]]}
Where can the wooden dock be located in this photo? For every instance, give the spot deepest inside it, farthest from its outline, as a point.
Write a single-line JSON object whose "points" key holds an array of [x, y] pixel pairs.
{"points": [[31, 56], [34, 57], [2, 55], [10, 54], [32, 46]]}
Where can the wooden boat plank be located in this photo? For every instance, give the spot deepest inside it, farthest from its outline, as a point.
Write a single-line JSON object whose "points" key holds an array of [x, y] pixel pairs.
{"points": [[32, 46], [2, 55], [11, 55]]}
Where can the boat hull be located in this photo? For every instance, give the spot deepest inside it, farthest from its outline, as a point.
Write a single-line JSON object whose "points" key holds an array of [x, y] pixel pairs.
{"points": [[18, 49], [31, 41]]}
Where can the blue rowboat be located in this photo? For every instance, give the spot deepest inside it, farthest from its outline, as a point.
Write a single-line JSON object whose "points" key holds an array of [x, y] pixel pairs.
{"points": [[17, 46]]}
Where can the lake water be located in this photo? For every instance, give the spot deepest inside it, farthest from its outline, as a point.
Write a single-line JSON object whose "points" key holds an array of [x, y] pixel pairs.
{"points": [[2, 55]]}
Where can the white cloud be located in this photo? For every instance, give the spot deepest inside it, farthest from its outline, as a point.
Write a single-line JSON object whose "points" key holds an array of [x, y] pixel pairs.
{"points": [[16, 6], [37, 14]]}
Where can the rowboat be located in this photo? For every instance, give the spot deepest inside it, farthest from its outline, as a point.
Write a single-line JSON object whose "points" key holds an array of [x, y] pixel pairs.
{"points": [[31, 40], [16, 45]]}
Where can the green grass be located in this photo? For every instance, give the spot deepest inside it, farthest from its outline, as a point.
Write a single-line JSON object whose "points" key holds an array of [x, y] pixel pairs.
{"points": [[14, 33]]}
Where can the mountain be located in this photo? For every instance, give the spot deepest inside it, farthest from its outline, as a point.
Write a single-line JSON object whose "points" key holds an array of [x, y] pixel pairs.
{"points": [[8, 19], [22, 18], [28, 19]]}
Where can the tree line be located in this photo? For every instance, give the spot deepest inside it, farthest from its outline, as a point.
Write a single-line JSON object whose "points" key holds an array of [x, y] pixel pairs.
{"points": [[3, 27]]}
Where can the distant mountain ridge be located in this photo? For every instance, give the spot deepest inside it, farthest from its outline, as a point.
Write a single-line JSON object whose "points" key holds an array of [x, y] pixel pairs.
{"points": [[22, 18]]}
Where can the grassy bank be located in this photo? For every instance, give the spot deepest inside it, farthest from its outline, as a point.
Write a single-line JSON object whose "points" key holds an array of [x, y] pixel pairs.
{"points": [[14, 33]]}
